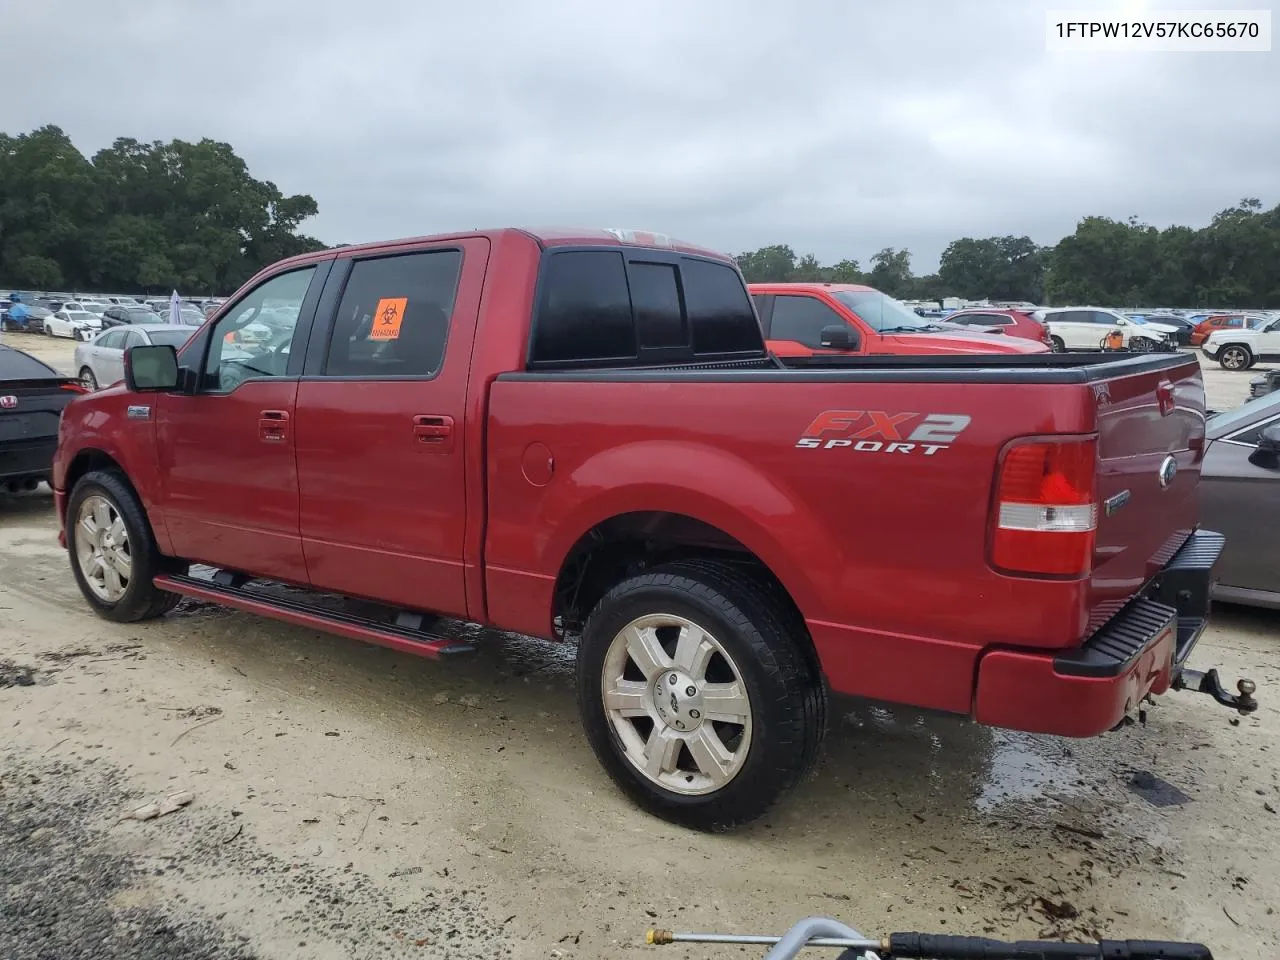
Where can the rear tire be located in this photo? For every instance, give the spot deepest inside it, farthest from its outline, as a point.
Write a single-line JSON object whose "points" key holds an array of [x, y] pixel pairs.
{"points": [[1058, 345], [1235, 357], [113, 551], [729, 637]]}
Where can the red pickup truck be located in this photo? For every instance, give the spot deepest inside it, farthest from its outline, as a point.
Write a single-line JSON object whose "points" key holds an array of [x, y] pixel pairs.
{"points": [[818, 319], [580, 434]]}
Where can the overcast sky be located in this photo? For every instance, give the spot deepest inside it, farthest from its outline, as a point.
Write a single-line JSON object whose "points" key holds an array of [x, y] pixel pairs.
{"points": [[839, 127]]}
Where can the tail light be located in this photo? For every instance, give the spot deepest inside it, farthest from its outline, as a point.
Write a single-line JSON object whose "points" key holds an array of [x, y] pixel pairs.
{"points": [[75, 387], [1046, 509]]}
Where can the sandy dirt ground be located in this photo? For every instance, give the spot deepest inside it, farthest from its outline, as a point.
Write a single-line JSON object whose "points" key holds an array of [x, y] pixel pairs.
{"points": [[354, 802]]}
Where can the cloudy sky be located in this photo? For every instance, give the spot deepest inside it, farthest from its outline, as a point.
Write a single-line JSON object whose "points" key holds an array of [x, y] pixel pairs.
{"points": [[839, 126]]}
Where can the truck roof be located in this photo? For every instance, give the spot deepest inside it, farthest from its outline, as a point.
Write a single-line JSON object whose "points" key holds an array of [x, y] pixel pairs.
{"points": [[544, 236], [813, 287]]}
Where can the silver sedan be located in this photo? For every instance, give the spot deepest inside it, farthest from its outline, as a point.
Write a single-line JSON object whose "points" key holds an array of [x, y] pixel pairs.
{"points": [[100, 362]]}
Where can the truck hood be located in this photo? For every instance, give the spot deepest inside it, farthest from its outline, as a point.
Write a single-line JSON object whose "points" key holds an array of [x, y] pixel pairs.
{"points": [[950, 342]]}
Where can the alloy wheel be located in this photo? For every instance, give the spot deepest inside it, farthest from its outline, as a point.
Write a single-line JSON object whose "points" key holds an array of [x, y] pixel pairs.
{"points": [[677, 703]]}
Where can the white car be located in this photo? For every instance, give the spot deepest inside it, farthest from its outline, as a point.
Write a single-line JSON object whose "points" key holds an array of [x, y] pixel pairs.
{"points": [[74, 321], [100, 362], [1086, 328], [1240, 349]]}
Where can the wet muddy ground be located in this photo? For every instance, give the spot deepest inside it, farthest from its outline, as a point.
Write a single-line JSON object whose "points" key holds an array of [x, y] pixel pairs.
{"points": [[354, 802]]}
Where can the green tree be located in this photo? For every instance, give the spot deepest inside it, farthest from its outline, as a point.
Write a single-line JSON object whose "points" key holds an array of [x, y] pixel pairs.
{"points": [[140, 216], [775, 264], [998, 268], [891, 272]]}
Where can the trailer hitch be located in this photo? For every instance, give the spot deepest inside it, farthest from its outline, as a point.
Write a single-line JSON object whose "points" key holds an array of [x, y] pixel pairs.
{"points": [[1210, 683]]}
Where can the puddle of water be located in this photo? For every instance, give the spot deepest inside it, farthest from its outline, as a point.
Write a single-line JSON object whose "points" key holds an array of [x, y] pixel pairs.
{"points": [[1025, 769]]}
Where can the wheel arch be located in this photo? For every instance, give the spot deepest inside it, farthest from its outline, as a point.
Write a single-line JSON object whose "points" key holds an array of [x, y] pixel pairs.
{"points": [[650, 498], [90, 459], [622, 545]]}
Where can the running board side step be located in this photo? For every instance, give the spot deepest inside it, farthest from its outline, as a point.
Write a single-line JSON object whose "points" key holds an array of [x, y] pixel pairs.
{"points": [[404, 636]]}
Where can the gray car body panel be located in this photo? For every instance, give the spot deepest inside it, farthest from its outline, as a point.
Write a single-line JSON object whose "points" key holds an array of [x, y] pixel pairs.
{"points": [[1241, 500]]}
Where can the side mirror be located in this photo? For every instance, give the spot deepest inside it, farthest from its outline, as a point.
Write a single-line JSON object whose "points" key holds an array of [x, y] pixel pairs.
{"points": [[838, 336], [1122, 322], [1267, 453], [151, 368]]}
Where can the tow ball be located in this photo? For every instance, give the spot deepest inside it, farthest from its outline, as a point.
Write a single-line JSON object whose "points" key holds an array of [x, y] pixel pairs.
{"points": [[1209, 682]]}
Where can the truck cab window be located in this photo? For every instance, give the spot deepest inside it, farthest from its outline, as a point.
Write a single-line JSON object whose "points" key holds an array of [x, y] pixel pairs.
{"points": [[720, 313], [584, 308], [801, 319], [655, 300], [393, 320], [253, 339]]}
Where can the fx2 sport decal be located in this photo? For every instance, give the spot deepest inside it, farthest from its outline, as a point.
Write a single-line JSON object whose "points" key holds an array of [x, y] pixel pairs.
{"points": [[875, 431]]}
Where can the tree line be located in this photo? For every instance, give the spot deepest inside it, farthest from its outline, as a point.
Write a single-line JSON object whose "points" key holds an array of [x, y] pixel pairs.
{"points": [[150, 217], [139, 217], [1234, 261]]}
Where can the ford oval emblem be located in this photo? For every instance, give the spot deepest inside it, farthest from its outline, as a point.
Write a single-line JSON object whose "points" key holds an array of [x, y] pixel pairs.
{"points": [[1167, 470]]}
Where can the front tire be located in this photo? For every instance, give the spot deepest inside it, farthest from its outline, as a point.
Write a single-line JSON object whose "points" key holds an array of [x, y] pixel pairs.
{"points": [[1235, 357], [699, 694], [88, 380], [113, 551]]}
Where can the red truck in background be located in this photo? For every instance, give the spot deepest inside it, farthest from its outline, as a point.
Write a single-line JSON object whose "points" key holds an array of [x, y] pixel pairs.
{"points": [[819, 319], [581, 434]]}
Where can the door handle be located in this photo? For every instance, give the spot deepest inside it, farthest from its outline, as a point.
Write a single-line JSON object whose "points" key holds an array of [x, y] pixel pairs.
{"points": [[271, 425], [434, 430]]}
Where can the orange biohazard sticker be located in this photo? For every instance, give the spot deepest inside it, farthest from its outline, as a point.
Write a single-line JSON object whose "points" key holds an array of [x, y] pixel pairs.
{"points": [[387, 317]]}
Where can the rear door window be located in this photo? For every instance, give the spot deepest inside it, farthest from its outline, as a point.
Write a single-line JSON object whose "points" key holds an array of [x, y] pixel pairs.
{"points": [[393, 319]]}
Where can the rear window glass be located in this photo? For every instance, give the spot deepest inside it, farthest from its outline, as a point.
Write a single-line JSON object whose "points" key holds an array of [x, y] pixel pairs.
{"points": [[618, 306], [720, 311], [16, 365], [170, 338], [655, 301], [584, 310]]}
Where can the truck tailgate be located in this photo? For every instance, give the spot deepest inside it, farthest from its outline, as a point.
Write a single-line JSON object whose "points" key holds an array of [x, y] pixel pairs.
{"points": [[1150, 443]]}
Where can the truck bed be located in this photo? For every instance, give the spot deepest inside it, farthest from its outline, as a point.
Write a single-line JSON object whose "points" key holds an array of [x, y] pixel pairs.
{"points": [[884, 551]]}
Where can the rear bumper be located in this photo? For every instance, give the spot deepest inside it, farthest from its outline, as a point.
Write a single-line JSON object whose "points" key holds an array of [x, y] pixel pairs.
{"points": [[1141, 650]]}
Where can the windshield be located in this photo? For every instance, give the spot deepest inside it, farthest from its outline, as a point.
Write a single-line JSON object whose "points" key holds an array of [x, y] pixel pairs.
{"points": [[170, 338], [882, 313]]}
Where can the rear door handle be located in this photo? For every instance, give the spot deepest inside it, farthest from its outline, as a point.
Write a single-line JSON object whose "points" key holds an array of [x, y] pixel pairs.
{"points": [[271, 425], [434, 431]]}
